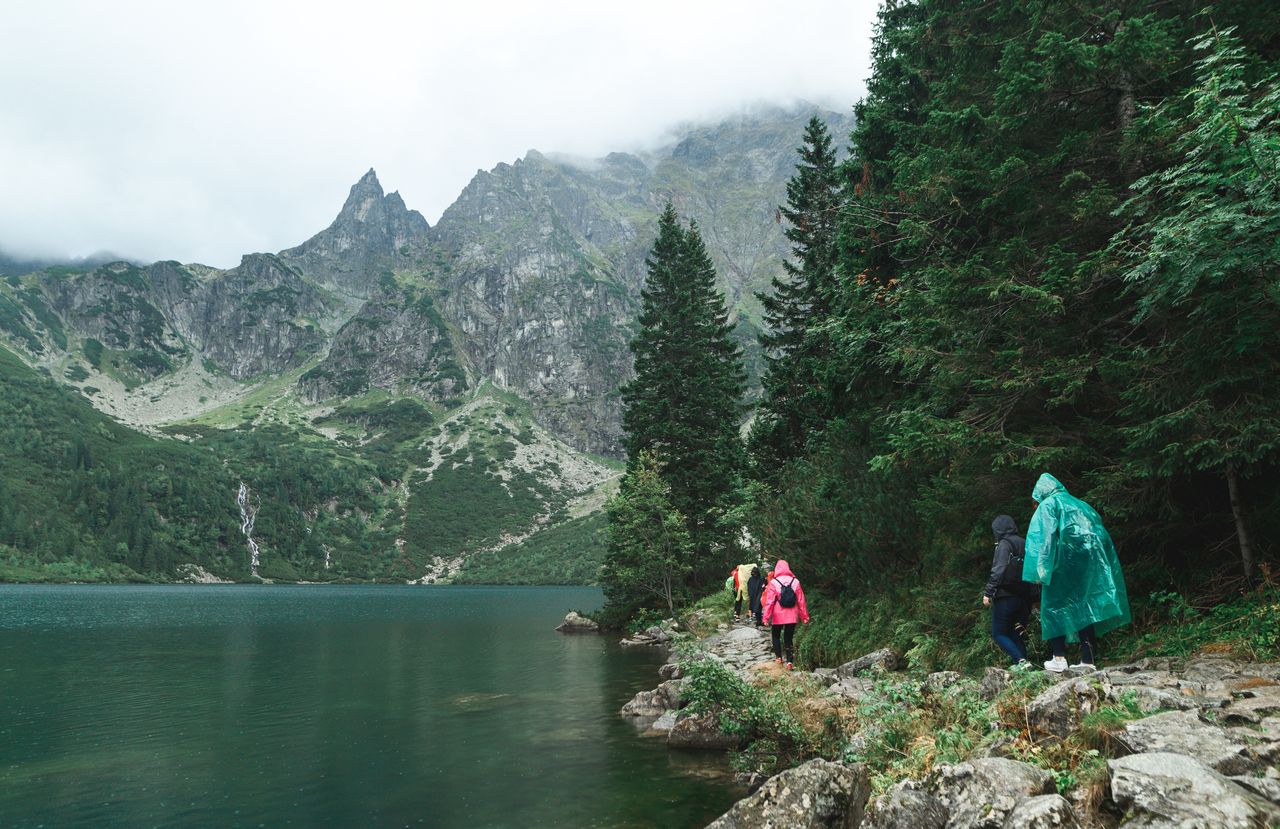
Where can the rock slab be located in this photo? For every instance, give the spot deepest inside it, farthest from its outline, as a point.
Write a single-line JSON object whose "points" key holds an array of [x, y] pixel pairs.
{"points": [[1182, 732], [816, 795], [983, 793], [1172, 791]]}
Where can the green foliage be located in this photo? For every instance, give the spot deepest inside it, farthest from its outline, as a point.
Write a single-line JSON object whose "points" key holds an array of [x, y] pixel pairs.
{"points": [[650, 550], [568, 553], [905, 731], [93, 352], [463, 504], [765, 715], [1167, 625]]}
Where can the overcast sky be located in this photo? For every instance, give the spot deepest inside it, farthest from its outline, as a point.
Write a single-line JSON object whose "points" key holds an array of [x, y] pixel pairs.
{"points": [[201, 131]]}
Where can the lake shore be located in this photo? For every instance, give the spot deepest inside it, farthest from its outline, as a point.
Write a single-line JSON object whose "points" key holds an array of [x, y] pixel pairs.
{"points": [[867, 744]]}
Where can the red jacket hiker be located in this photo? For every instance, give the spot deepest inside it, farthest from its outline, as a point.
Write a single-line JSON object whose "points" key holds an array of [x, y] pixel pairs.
{"points": [[776, 614]]}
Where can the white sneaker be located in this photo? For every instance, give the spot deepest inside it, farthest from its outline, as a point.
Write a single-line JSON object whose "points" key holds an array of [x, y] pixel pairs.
{"points": [[1056, 665], [1084, 666], [1022, 665]]}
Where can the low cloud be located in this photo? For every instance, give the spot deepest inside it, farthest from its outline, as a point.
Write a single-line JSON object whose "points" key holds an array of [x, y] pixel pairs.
{"points": [[170, 130]]}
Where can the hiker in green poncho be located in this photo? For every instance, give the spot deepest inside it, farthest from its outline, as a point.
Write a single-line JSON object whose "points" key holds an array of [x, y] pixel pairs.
{"points": [[1070, 553]]}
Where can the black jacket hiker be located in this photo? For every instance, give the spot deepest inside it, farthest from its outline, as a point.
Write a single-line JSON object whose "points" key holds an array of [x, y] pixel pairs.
{"points": [[1006, 567]]}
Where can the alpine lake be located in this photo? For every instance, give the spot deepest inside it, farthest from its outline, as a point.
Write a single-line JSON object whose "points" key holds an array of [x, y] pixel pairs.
{"points": [[329, 706]]}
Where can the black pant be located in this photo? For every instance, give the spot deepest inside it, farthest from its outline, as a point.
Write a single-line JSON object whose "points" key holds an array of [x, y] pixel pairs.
{"points": [[1088, 645], [737, 605], [1009, 615], [779, 632]]}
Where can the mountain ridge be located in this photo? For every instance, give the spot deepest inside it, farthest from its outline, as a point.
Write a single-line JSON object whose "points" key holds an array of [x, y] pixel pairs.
{"points": [[526, 286]]}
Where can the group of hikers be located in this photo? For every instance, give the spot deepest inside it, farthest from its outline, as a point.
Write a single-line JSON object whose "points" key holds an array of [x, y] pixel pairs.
{"points": [[1066, 564], [775, 599]]}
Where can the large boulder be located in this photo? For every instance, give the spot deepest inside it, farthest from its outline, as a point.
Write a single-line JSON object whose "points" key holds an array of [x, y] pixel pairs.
{"points": [[1182, 732], [701, 732], [1173, 791], [906, 806], [982, 793], [881, 661], [1058, 710], [817, 795], [574, 623]]}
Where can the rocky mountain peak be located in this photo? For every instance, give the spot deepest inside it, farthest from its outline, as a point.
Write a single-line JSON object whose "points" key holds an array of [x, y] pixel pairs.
{"points": [[371, 232]]}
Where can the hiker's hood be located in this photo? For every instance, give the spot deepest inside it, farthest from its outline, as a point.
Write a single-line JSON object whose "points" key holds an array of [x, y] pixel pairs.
{"points": [[1003, 527], [755, 572], [1046, 486], [782, 569]]}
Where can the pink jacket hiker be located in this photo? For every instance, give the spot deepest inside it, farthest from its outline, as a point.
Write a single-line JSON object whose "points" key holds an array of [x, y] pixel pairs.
{"points": [[776, 614]]}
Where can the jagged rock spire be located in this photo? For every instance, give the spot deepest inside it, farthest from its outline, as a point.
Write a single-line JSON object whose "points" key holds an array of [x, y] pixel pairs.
{"points": [[369, 233]]}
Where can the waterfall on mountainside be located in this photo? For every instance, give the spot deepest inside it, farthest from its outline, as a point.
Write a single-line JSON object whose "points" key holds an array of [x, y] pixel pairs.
{"points": [[248, 514]]}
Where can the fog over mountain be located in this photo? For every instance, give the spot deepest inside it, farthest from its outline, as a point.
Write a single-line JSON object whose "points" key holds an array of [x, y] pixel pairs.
{"points": [[121, 130]]}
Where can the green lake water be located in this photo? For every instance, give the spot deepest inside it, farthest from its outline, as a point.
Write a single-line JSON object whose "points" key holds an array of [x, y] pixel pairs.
{"points": [[328, 706]]}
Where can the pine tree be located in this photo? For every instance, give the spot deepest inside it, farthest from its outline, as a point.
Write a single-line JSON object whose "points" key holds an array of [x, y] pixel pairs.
{"points": [[685, 402], [798, 388], [1204, 396]]}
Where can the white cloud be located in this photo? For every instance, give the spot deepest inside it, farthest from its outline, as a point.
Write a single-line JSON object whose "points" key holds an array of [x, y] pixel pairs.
{"points": [[203, 131]]}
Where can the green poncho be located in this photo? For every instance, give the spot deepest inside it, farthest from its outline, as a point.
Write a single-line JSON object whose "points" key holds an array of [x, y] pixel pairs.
{"points": [[1071, 554]]}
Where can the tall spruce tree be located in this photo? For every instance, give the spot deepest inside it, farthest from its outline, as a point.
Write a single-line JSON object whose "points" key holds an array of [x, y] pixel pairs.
{"points": [[685, 402], [1205, 398], [798, 388]]}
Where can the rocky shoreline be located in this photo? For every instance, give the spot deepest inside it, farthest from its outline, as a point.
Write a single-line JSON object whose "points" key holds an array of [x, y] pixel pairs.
{"points": [[1197, 746]]}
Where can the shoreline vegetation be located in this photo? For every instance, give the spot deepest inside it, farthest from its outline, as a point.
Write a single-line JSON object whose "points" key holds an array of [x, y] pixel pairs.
{"points": [[885, 740]]}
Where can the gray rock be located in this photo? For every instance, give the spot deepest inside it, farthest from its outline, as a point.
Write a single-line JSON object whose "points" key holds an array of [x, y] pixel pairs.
{"points": [[939, 681], [658, 634], [907, 805], [854, 688], [1151, 700], [670, 690], [1182, 732], [1173, 791], [1058, 710], [647, 704], [1268, 787], [816, 794], [741, 635], [1047, 811], [664, 723], [881, 661], [826, 676], [573, 623], [982, 793], [670, 670], [994, 682], [701, 732], [1253, 705]]}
